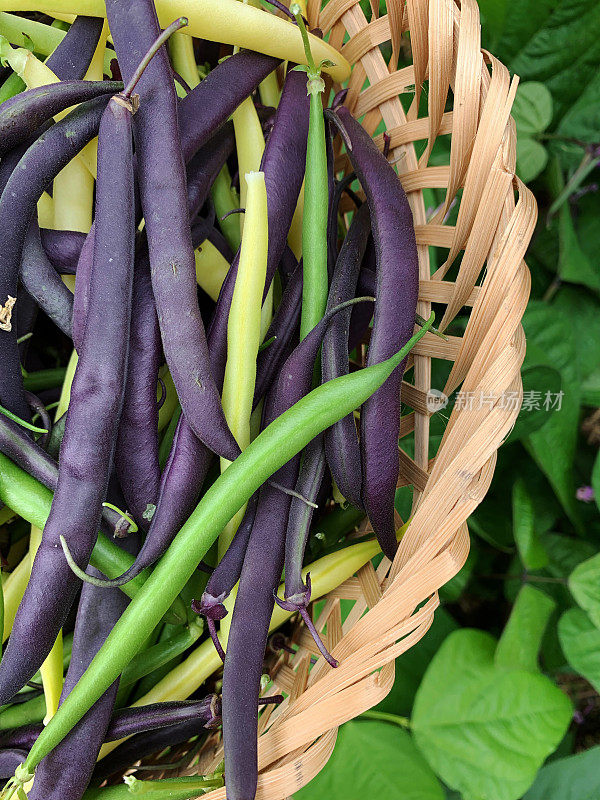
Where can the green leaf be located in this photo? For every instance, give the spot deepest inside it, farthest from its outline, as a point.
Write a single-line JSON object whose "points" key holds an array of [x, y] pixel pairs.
{"points": [[573, 778], [522, 636], [553, 446], [532, 109], [532, 552], [532, 158], [486, 731], [520, 22], [573, 264], [560, 48], [411, 666], [582, 118], [584, 583], [582, 311], [535, 412], [590, 389], [451, 591], [580, 642], [374, 759], [565, 554]]}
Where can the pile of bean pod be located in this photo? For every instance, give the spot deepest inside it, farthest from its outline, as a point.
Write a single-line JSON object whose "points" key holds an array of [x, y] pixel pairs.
{"points": [[218, 423]]}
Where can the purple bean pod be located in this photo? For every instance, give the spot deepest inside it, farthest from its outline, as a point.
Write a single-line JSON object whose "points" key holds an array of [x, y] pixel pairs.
{"points": [[72, 57], [216, 238], [393, 325], [259, 579], [283, 163], [210, 104], [297, 593], [145, 744], [23, 114], [130, 721], [27, 454], [92, 419], [83, 280], [161, 179], [42, 161], [205, 165], [341, 440], [136, 455], [43, 282], [283, 329], [63, 248], [10, 759], [248, 634], [225, 575], [189, 459], [20, 738], [367, 285], [65, 773]]}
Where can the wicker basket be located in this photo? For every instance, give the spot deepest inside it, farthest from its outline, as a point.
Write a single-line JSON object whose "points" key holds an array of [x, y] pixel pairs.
{"points": [[495, 221]]}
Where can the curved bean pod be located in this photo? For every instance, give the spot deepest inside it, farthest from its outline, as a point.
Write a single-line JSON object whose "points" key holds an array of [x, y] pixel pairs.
{"points": [[283, 164], [397, 292], [341, 440], [43, 282], [136, 454], [63, 248], [66, 771], [248, 633], [205, 165], [73, 55], [23, 114], [210, 104], [10, 760], [96, 398], [161, 179], [145, 744], [43, 160], [83, 279], [189, 459], [282, 330], [225, 575]]}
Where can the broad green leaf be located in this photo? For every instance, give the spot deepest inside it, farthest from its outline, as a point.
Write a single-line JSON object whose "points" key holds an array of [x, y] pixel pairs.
{"points": [[553, 446], [586, 225], [573, 264], [582, 310], [580, 641], [573, 778], [493, 16], [521, 21], [535, 411], [532, 109], [565, 554], [486, 731], [590, 389], [522, 635], [532, 552], [451, 591], [532, 158], [582, 119], [584, 583], [560, 49], [373, 759], [411, 666]]}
